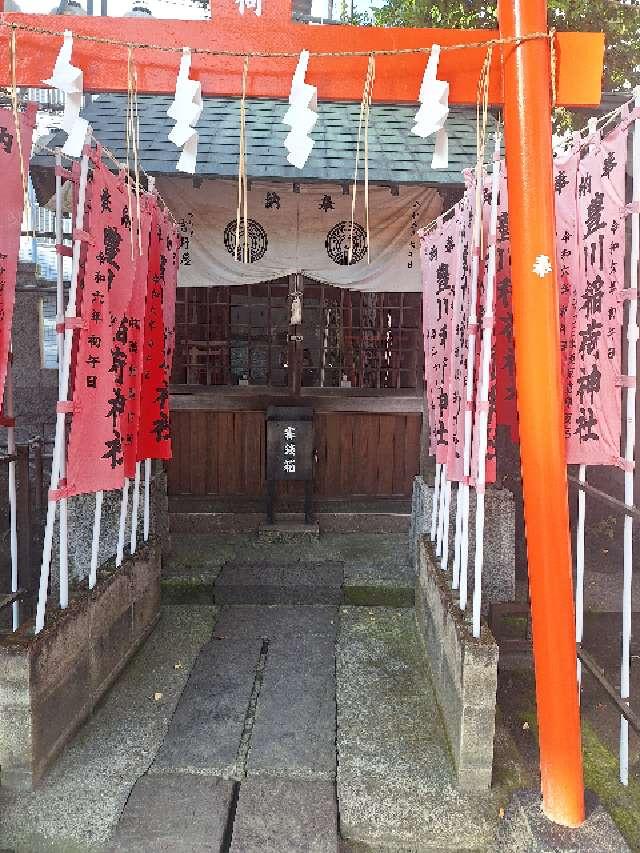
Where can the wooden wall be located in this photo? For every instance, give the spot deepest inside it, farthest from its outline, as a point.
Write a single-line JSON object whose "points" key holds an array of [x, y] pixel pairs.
{"points": [[222, 453]]}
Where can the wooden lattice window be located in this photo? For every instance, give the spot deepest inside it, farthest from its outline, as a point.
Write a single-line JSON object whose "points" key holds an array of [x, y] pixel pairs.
{"points": [[240, 336], [361, 340]]}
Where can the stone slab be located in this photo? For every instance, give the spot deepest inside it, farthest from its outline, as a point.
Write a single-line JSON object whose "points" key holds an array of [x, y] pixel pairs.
{"points": [[78, 803], [179, 813], [269, 582], [205, 732], [294, 731], [285, 816], [396, 782], [288, 531], [525, 829], [499, 571], [274, 622]]}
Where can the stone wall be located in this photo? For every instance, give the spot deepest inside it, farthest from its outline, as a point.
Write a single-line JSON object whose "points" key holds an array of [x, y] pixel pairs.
{"points": [[498, 574], [51, 682], [35, 387], [464, 672]]}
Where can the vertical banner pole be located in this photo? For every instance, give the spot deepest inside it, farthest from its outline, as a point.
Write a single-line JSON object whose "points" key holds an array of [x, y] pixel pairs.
{"points": [[527, 119], [441, 510], [483, 390], [468, 411], [457, 539], [135, 504], [13, 500], [435, 503], [95, 540], [445, 527], [582, 476], [147, 490], [64, 535], [124, 507], [64, 391], [630, 438]]}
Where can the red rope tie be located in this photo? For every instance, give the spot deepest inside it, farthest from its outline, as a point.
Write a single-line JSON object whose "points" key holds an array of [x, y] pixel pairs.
{"points": [[65, 174], [65, 407], [626, 465], [626, 381], [6, 421], [65, 251], [73, 323], [627, 293], [84, 236], [483, 405], [61, 492]]}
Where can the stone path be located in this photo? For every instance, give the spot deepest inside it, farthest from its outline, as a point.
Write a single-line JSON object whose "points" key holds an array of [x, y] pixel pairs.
{"points": [[303, 725]]}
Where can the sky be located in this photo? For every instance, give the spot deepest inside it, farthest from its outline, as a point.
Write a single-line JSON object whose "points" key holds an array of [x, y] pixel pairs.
{"points": [[183, 9]]}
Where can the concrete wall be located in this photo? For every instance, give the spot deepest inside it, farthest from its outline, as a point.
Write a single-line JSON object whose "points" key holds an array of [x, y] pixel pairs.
{"points": [[50, 683], [498, 574], [464, 671]]}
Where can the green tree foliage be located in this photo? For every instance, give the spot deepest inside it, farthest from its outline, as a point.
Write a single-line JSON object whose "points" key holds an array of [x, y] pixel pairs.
{"points": [[618, 19]]}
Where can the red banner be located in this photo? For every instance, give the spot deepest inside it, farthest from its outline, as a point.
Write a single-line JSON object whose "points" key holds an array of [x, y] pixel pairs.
{"points": [[96, 446], [135, 339], [154, 434], [11, 218]]}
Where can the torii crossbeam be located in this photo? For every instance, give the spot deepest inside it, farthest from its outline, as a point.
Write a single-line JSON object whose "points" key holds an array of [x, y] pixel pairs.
{"points": [[521, 81]]}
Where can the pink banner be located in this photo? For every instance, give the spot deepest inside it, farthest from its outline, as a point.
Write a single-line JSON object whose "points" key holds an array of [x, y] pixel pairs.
{"points": [[460, 340], [96, 447], [11, 219], [438, 248], [593, 379], [565, 172]]}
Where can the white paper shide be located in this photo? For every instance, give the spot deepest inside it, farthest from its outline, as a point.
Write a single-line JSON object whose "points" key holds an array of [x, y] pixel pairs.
{"points": [[67, 78], [186, 110], [433, 111], [301, 116]]}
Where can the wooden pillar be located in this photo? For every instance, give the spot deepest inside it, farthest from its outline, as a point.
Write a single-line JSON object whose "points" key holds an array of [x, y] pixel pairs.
{"points": [[527, 115]]}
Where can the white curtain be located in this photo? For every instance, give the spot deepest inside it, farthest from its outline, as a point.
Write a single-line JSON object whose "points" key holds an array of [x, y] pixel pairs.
{"points": [[306, 231]]}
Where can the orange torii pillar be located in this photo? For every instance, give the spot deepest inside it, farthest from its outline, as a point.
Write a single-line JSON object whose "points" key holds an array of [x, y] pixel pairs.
{"points": [[523, 84], [527, 123]]}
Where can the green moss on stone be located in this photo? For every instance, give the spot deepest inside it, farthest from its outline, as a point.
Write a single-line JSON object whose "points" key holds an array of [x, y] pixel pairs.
{"points": [[186, 591], [378, 596], [601, 775]]}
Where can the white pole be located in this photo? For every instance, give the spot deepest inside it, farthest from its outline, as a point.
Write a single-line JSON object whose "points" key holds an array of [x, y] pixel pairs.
{"points": [[147, 490], [457, 538], [483, 391], [441, 507], [147, 462], [632, 340], [13, 503], [468, 412], [62, 391], [445, 533], [124, 506], [435, 502], [134, 510], [95, 540], [582, 476], [64, 385]]}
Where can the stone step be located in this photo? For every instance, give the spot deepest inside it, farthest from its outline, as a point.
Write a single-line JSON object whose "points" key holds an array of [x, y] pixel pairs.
{"points": [[285, 816], [206, 730], [177, 813], [269, 582], [396, 784]]}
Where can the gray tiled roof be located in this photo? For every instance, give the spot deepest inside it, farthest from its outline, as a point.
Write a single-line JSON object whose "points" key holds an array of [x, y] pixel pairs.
{"points": [[396, 156]]}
